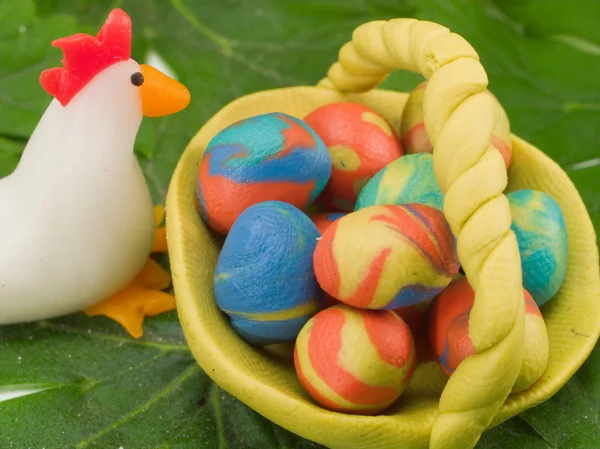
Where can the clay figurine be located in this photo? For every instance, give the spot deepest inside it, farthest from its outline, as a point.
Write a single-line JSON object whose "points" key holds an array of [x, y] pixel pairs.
{"points": [[78, 223]]}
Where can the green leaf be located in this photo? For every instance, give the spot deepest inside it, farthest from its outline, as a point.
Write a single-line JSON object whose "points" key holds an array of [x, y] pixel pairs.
{"points": [[569, 419], [585, 175], [554, 19], [24, 52], [14, 15], [96, 387], [101, 389], [10, 152]]}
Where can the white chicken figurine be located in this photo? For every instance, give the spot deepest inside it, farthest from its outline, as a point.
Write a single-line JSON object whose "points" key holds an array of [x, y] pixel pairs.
{"points": [[77, 222]]}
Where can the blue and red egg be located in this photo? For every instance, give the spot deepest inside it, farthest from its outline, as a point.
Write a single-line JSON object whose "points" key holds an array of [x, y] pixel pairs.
{"points": [[262, 158]]}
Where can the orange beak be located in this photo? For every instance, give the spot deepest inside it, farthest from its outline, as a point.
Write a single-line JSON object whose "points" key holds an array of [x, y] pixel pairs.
{"points": [[161, 94]]}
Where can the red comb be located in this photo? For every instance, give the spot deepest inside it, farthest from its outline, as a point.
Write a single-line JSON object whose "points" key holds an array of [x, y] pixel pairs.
{"points": [[86, 56]]}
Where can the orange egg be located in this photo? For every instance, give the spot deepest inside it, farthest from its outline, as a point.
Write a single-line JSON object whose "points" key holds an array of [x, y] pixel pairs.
{"points": [[360, 142]]}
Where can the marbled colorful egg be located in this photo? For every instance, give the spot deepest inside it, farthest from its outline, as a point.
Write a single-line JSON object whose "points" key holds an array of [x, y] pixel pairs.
{"points": [[266, 157], [355, 361], [409, 179], [323, 221], [415, 138], [449, 332], [539, 225], [264, 279], [360, 142], [387, 257]]}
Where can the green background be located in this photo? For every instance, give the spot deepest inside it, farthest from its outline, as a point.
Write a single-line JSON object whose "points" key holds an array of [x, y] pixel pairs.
{"points": [[105, 390]]}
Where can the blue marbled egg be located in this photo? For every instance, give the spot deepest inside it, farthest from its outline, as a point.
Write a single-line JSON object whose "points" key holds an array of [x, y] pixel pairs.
{"points": [[539, 225], [264, 279], [268, 157], [408, 179]]}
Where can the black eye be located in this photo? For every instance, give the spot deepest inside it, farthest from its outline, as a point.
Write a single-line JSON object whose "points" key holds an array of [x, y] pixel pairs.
{"points": [[137, 79]]}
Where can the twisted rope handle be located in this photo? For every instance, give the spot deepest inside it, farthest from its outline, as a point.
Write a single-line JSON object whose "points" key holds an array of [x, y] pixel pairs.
{"points": [[459, 119]]}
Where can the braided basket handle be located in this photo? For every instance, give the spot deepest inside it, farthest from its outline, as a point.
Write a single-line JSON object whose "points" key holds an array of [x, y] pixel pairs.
{"points": [[459, 119]]}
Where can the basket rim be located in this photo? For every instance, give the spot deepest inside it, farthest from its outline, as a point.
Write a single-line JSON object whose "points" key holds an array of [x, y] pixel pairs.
{"points": [[283, 409]]}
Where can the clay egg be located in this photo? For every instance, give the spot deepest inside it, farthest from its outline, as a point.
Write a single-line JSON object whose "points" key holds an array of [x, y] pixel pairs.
{"points": [[409, 179], [355, 361], [387, 257], [323, 221], [415, 138], [267, 157], [360, 142], [449, 332], [264, 279], [539, 225]]}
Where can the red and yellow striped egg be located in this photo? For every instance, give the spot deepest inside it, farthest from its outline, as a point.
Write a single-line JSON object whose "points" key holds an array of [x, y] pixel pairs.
{"points": [[449, 332], [415, 139], [386, 256], [354, 360], [360, 142]]}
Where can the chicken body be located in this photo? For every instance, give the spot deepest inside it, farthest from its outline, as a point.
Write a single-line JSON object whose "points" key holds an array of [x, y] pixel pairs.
{"points": [[76, 216]]}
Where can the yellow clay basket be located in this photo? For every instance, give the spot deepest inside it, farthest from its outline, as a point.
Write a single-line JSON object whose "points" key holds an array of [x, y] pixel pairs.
{"points": [[435, 411]]}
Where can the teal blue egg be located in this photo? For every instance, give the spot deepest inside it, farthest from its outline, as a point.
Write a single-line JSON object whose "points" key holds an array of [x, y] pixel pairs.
{"points": [[538, 223], [408, 179]]}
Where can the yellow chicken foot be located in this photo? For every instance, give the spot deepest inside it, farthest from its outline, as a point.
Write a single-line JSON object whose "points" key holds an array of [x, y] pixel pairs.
{"points": [[144, 296]]}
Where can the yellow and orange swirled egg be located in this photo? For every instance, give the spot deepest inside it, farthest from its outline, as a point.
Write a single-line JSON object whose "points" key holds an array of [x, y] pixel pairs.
{"points": [[386, 256], [415, 139], [353, 360], [360, 142], [449, 332]]}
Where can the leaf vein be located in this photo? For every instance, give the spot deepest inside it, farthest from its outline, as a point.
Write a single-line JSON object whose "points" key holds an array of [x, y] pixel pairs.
{"points": [[224, 44], [189, 372], [215, 402], [538, 434], [130, 369], [167, 347]]}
